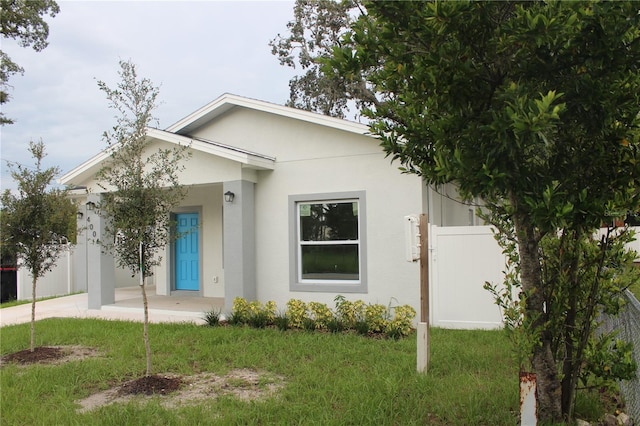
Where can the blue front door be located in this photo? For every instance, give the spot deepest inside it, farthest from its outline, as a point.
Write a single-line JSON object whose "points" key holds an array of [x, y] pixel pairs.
{"points": [[187, 256]]}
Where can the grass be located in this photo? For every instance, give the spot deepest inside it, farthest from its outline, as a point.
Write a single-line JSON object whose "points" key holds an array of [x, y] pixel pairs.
{"points": [[330, 379]]}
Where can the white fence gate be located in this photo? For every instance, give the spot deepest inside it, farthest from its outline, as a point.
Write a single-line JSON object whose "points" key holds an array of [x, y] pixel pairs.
{"points": [[462, 259]]}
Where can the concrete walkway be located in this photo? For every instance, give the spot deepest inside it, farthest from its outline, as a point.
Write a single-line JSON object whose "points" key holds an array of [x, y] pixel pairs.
{"points": [[128, 307]]}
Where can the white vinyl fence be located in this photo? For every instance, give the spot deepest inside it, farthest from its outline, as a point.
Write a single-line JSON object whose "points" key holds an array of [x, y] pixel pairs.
{"points": [[58, 281], [462, 259], [62, 278]]}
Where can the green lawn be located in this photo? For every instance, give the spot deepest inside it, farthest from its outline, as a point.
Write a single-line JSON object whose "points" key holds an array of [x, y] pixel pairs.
{"points": [[330, 379]]}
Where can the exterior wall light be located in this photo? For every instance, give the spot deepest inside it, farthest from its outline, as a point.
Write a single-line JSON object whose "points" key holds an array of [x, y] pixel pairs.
{"points": [[80, 214], [229, 196], [91, 206]]}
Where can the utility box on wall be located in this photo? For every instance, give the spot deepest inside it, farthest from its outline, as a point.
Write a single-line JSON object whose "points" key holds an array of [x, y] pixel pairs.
{"points": [[412, 237]]}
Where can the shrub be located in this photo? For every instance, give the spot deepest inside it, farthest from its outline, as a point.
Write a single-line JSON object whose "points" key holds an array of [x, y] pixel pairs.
{"points": [[356, 315], [270, 312], [296, 312], [377, 316], [349, 312], [400, 325], [239, 311], [320, 313]]}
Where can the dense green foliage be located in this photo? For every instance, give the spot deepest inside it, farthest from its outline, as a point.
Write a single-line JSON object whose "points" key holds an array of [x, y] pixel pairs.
{"points": [[535, 108], [393, 321], [22, 21]]}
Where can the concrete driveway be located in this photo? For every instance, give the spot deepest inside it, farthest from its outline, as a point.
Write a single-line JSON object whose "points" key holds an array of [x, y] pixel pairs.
{"points": [[128, 307]]}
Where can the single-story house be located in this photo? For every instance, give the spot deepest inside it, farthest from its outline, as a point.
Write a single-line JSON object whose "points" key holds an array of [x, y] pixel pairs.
{"points": [[287, 204]]}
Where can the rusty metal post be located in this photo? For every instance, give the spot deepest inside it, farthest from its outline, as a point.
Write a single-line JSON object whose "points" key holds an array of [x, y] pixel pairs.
{"points": [[528, 402]]}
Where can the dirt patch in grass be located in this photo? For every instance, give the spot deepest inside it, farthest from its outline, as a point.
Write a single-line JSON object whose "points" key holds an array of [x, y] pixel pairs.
{"points": [[244, 384], [173, 390], [49, 355]]}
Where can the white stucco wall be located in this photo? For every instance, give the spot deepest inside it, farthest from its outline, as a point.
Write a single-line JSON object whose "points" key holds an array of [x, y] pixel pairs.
{"points": [[315, 159]]}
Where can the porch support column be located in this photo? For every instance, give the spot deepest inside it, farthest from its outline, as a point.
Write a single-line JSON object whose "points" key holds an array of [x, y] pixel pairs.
{"points": [[239, 243], [100, 265], [80, 251]]}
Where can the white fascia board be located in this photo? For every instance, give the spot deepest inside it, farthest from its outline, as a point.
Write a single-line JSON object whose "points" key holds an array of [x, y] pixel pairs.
{"points": [[246, 158], [84, 167], [227, 101]]}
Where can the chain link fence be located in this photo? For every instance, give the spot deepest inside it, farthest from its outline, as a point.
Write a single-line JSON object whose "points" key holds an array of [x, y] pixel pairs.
{"points": [[627, 323]]}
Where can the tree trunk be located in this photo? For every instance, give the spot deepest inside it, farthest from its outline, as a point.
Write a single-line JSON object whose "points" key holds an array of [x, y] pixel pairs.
{"points": [[543, 361], [32, 346], [147, 346], [572, 355]]}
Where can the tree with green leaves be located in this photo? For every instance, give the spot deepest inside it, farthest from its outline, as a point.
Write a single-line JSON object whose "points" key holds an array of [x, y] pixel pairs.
{"points": [[140, 183], [22, 21], [35, 222], [533, 107], [317, 27]]}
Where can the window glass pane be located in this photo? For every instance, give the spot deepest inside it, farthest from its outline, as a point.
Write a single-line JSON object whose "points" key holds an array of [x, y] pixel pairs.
{"points": [[329, 221], [330, 262]]}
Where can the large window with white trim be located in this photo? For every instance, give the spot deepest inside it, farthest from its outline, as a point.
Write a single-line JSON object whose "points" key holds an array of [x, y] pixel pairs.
{"points": [[327, 247]]}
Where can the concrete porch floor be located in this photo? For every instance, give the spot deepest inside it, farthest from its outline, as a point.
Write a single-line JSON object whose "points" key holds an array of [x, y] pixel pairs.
{"points": [[131, 298]]}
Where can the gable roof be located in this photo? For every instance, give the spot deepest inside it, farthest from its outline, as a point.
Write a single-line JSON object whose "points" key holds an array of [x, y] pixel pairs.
{"points": [[228, 101], [246, 158], [178, 133]]}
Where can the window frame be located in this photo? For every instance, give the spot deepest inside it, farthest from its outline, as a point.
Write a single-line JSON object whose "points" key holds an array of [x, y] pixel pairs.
{"points": [[296, 283]]}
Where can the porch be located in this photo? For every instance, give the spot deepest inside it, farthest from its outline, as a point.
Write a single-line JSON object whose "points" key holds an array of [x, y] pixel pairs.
{"points": [[129, 299]]}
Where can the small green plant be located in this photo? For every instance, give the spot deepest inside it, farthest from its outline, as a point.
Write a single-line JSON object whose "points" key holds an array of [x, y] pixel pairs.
{"points": [[309, 324], [362, 327], [212, 317], [401, 323], [296, 312], [335, 325], [377, 316], [239, 311], [236, 319], [349, 312], [281, 322], [320, 313]]}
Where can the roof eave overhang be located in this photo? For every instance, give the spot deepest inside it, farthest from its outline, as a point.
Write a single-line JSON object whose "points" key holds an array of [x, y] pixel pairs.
{"points": [[228, 101]]}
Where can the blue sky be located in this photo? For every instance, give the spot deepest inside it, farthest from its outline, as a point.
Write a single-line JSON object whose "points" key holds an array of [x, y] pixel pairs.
{"points": [[193, 50]]}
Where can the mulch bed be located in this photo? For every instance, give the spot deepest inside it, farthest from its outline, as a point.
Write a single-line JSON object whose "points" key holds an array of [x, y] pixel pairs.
{"points": [[41, 354], [151, 385]]}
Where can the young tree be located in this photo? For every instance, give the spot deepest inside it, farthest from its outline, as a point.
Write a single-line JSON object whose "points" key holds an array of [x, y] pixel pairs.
{"points": [[141, 184], [535, 108], [35, 222], [22, 21]]}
